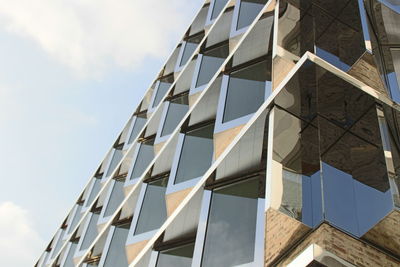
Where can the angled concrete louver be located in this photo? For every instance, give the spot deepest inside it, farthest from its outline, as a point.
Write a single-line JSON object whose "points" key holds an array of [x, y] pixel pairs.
{"points": [[270, 137]]}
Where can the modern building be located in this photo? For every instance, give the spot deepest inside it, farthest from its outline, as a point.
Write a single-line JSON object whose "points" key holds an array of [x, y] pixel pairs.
{"points": [[271, 137]]}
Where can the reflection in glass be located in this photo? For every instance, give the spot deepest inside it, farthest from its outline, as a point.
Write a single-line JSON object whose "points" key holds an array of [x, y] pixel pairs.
{"points": [[117, 156], [91, 232], [93, 193], [230, 237], [57, 247], [181, 257], [116, 197], [248, 11], [393, 4], [246, 91], [196, 155], [218, 6], [139, 123], [143, 159], [210, 63], [153, 211], [116, 255], [176, 110], [161, 91]]}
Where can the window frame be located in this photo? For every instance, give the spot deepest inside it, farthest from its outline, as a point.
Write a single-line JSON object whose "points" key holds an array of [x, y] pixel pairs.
{"points": [[221, 126], [203, 225], [86, 205], [131, 128], [235, 20], [134, 180], [151, 107], [209, 19], [79, 251], [104, 219], [132, 237], [105, 175]]}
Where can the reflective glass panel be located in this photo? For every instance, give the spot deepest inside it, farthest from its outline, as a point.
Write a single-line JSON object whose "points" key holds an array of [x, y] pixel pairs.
{"points": [[139, 123], [161, 91], [210, 63], [176, 110], [117, 156], [93, 193], [246, 91], [57, 247], [196, 155], [393, 4], [181, 257], [218, 6], [143, 159], [69, 260], [75, 220], [231, 228], [248, 11], [91, 232], [153, 211], [116, 255], [187, 52], [116, 197]]}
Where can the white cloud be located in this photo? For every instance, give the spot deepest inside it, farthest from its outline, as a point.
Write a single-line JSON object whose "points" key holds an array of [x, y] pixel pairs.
{"points": [[20, 245], [93, 35]]}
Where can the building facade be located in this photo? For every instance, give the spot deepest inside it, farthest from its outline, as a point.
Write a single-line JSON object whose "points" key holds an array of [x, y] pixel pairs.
{"points": [[271, 137]]}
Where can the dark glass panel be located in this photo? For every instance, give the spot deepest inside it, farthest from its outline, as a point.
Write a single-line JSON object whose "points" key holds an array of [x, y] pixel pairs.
{"points": [[176, 110], [230, 237], [246, 91], [210, 63], [116, 255], [91, 232], [187, 52], [143, 159], [93, 193], [196, 155], [153, 211], [116, 197], [161, 91], [181, 257], [139, 123], [248, 11], [117, 156], [218, 6]]}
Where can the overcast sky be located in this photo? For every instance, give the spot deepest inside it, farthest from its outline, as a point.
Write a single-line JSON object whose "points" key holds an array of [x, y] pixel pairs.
{"points": [[71, 74]]}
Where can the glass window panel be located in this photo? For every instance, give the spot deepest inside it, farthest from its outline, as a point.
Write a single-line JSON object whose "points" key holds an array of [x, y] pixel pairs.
{"points": [[69, 260], [231, 228], [246, 91], [117, 156], [139, 123], [116, 197], [93, 193], [91, 232], [181, 257], [393, 4], [248, 11], [144, 157], [75, 220], [210, 63], [153, 211], [116, 255], [161, 91], [196, 155], [396, 65], [176, 110], [58, 244], [187, 52], [218, 6]]}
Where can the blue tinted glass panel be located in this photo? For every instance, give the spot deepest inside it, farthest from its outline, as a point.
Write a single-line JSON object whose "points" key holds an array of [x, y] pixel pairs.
{"points": [[248, 12], [181, 257]]}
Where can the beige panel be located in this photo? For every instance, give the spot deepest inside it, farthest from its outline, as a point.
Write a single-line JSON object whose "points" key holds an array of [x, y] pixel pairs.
{"points": [[281, 232], [223, 139], [386, 233], [221, 29], [281, 67], [173, 200], [193, 98], [366, 71], [157, 147], [133, 250]]}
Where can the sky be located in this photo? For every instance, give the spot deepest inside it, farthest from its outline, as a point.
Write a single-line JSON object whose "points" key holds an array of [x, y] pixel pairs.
{"points": [[71, 74]]}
